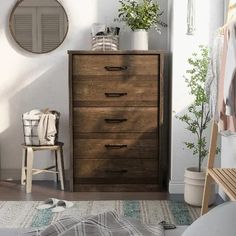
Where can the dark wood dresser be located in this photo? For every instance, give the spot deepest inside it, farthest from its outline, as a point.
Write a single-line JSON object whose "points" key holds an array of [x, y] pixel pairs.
{"points": [[116, 121]]}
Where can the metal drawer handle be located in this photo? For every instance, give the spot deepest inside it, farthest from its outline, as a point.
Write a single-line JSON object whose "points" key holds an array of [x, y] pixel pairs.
{"points": [[115, 146], [116, 171], [116, 68], [115, 120], [112, 95]]}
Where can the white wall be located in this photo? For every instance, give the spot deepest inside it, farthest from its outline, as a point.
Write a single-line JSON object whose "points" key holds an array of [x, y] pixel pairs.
{"points": [[38, 81], [228, 156], [209, 16]]}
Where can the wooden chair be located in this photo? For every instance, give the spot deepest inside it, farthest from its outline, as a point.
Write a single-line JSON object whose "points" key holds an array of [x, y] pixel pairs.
{"points": [[28, 159], [224, 177]]}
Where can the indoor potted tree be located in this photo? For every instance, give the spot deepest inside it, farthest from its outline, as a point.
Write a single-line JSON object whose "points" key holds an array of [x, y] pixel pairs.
{"points": [[197, 120], [140, 16]]}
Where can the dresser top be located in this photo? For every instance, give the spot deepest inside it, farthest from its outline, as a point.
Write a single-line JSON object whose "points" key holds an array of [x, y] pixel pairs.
{"points": [[119, 52]]}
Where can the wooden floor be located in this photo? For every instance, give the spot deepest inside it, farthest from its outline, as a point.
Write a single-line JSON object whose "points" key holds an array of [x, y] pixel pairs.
{"points": [[41, 190]]}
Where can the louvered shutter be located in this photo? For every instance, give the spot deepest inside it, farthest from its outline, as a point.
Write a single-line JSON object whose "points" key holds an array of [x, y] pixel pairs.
{"points": [[51, 28], [24, 27]]}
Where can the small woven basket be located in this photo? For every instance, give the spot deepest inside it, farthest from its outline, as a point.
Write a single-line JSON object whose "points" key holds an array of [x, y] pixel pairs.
{"points": [[105, 43], [30, 129]]}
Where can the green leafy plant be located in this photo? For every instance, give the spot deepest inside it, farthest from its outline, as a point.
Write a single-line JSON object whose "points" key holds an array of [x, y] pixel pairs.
{"points": [[197, 117], [142, 14]]}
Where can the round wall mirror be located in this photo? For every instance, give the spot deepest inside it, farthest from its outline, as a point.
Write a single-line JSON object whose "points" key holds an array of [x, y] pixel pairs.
{"points": [[38, 26]]}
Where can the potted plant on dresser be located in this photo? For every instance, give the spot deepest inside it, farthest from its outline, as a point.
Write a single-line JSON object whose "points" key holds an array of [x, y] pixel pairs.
{"points": [[196, 120], [140, 16]]}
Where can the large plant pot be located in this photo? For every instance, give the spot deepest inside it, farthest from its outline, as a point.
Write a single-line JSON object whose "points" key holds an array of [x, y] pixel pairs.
{"points": [[140, 40], [194, 187]]}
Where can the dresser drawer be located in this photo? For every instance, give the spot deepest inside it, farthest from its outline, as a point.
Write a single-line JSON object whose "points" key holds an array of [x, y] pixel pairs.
{"points": [[115, 119], [115, 91], [115, 65], [113, 168], [115, 148]]}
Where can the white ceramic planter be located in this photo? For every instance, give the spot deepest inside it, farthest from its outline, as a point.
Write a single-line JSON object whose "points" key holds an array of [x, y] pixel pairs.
{"points": [[140, 40], [194, 186]]}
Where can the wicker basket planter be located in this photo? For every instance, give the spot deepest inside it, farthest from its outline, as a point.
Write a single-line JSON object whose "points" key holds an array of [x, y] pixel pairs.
{"points": [[105, 43]]}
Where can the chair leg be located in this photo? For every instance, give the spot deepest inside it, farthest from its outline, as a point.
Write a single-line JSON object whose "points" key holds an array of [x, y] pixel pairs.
{"points": [[60, 163], [30, 160], [206, 194], [23, 167], [56, 164]]}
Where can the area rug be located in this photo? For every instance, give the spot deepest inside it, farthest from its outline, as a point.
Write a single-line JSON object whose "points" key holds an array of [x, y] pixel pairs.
{"points": [[23, 214]]}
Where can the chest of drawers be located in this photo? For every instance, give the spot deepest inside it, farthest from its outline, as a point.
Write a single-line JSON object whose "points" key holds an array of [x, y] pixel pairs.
{"points": [[116, 121]]}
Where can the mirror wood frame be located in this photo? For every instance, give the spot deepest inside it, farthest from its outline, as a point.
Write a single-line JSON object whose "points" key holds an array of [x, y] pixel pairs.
{"points": [[18, 43]]}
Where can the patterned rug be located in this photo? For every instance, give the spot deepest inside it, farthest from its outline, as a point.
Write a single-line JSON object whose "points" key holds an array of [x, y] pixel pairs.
{"points": [[22, 214]]}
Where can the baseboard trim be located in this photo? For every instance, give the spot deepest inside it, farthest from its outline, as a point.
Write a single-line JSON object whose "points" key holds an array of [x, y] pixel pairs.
{"points": [[10, 174], [176, 187], [15, 174]]}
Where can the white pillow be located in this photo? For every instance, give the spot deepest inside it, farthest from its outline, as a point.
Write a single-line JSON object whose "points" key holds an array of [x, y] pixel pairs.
{"points": [[220, 221]]}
